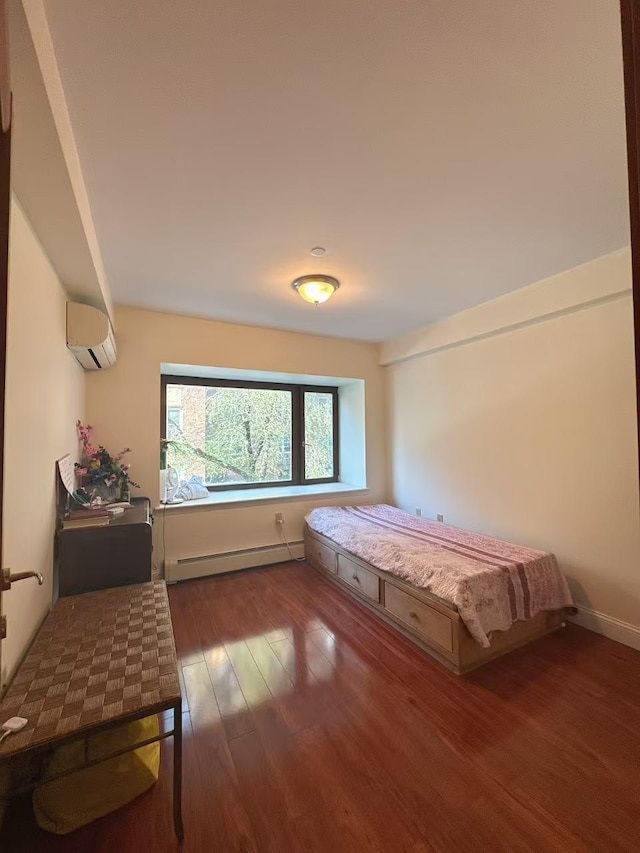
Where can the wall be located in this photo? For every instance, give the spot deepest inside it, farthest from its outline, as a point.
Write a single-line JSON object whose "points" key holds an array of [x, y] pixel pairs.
{"points": [[123, 405], [44, 398], [517, 419]]}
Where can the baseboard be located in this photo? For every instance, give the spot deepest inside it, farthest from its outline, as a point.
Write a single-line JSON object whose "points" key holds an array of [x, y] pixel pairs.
{"points": [[608, 626], [180, 569]]}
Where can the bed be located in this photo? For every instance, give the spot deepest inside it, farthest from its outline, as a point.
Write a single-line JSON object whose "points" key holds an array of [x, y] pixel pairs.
{"points": [[463, 597]]}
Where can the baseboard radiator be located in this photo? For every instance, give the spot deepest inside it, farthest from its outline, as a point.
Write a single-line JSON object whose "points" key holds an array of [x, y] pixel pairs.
{"points": [[184, 568]]}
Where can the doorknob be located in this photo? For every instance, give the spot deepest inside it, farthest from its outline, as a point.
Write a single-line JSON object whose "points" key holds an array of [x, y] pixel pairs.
{"points": [[6, 578]]}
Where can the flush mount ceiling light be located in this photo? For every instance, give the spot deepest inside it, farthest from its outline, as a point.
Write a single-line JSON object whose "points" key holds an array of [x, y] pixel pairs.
{"points": [[316, 288]]}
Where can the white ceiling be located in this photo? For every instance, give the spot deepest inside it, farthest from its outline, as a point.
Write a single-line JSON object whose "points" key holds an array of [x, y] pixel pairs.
{"points": [[443, 151], [40, 174]]}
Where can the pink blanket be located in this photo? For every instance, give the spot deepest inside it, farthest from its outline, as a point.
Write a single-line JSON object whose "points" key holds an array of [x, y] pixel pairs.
{"points": [[492, 583]]}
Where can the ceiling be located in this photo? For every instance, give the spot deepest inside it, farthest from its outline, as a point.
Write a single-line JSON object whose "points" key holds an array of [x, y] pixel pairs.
{"points": [[445, 152], [40, 175]]}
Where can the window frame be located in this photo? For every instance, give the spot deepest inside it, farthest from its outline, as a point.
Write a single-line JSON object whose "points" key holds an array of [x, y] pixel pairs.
{"points": [[297, 425]]}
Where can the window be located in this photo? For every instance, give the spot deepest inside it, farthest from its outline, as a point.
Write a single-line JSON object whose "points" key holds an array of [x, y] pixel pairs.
{"points": [[246, 434], [175, 421]]}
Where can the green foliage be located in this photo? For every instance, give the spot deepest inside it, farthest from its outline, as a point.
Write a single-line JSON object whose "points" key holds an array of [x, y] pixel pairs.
{"points": [[247, 436], [318, 435], [250, 429], [243, 435]]}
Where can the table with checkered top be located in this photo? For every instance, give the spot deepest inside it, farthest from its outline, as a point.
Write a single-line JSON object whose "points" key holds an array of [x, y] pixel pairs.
{"points": [[100, 660]]}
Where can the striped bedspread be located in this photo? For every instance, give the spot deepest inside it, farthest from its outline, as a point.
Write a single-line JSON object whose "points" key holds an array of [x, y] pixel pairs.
{"points": [[492, 583]]}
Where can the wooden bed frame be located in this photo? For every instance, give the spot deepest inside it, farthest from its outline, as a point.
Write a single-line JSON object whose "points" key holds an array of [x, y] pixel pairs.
{"points": [[423, 618]]}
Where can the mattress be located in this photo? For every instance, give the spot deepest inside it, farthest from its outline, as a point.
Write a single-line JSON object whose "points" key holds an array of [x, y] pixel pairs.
{"points": [[492, 583]]}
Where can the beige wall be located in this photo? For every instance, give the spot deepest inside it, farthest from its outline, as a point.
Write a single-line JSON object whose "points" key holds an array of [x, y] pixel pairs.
{"points": [[123, 405], [44, 398], [517, 419]]}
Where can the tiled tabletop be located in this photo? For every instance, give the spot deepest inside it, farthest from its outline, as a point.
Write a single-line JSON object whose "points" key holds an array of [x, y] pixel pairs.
{"points": [[99, 658]]}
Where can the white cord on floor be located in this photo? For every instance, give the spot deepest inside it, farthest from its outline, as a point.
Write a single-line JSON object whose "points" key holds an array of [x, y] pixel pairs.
{"points": [[286, 542]]}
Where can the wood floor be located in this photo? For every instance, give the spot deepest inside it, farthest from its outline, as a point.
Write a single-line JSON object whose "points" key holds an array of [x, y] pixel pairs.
{"points": [[313, 727]]}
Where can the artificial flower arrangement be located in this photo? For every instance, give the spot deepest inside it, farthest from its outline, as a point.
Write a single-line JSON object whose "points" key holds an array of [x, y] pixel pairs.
{"points": [[99, 470]]}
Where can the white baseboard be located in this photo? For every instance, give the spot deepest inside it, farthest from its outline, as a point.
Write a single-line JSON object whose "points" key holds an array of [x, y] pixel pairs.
{"points": [[608, 626], [185, 568]]}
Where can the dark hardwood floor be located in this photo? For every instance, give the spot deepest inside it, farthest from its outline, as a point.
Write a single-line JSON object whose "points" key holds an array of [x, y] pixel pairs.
{"points": [[310, 726]]}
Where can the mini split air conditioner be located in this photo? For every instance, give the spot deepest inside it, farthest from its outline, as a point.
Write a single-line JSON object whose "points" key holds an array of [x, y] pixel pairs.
{"points": [[90, 336]]}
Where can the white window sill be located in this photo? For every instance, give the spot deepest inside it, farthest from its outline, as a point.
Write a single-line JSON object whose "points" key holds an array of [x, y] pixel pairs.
{"points": [[277, 494]]}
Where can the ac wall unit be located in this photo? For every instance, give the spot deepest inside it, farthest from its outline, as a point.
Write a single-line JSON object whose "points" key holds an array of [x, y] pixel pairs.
{"points": [[90, 336]]}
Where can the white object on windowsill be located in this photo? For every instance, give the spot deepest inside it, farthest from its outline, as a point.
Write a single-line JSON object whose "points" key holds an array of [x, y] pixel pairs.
{"points": [[193, 489], [171, 486], [278, 494]]}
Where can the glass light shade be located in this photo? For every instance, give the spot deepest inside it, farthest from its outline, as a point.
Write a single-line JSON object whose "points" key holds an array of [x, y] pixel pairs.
{"points": [[316, 288]]}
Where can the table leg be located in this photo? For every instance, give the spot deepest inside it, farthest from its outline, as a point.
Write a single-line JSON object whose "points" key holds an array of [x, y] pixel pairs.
{"points": [[177, 770]]}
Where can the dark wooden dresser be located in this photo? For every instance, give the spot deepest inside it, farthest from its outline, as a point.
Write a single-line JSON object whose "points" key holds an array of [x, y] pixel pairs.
{"points": [[118, 554]]}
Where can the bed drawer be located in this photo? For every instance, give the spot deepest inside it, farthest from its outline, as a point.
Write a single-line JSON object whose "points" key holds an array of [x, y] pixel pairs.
{"points": [[429, 623], [361, 579], [321, 555]]}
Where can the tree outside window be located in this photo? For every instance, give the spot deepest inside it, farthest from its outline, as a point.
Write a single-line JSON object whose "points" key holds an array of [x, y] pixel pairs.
{"points": [[236, 435]]}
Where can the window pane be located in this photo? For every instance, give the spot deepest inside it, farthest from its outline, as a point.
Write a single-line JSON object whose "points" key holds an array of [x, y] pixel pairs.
{"points": [[318, 435], [230, 435], [174, 419]]}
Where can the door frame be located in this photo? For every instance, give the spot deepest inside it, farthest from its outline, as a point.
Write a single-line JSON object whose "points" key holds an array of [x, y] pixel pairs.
{"points": [[5, 209], [630, 19]]}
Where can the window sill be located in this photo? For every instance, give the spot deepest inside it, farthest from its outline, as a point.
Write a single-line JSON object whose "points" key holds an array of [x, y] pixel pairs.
{"points": [[278, 494]]}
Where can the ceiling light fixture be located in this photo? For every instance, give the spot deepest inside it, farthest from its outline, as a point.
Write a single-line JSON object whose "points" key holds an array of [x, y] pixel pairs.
{"points": [[318, 251], [315, 288]]}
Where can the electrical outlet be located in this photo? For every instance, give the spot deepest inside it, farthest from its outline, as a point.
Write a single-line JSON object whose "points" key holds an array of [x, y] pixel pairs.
{"points": [[418, 511], [439, 517], [279, 518]]}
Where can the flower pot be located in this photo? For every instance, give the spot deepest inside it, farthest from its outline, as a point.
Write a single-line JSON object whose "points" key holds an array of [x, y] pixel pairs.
{"points": [[107, 494]]}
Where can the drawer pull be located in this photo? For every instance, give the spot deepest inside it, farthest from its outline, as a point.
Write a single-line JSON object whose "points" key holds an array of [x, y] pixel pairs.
{"points": [[363, 581], [421, 618]]}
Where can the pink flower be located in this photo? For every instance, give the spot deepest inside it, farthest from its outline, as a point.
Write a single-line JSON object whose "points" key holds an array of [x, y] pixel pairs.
{"points": [[81, 472], [84, 432], [90, 450]]}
